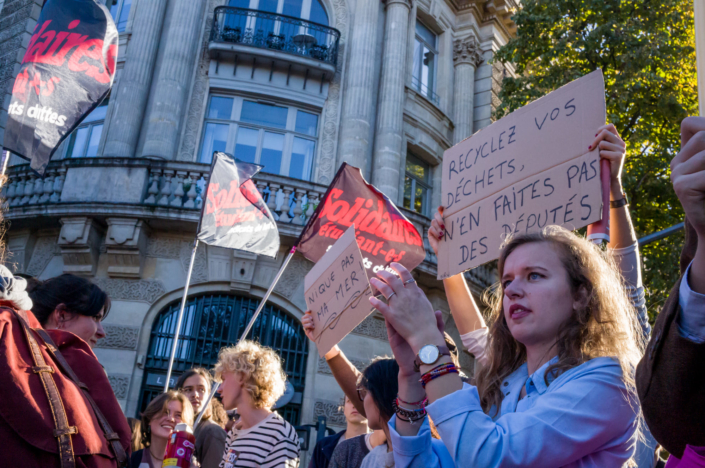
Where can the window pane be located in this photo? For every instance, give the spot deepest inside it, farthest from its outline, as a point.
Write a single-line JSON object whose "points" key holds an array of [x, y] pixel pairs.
{"points": [[265, 26], [220, 108], [408, 182], [417, 168], [246, 146], [114, 6], [426, 34], [124, 14], [302, 159], [92, 150], [264, 114], [306, 123], [418, 53], [272, 148], [419, 197], [214, 139], [79, 142], [98, 113], [239, 3], [318, 13], [292, 8], [429, 60]]}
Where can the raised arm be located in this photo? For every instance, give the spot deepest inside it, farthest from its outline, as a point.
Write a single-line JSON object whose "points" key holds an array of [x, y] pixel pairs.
{"points": [[345, 373], [462, 305]]}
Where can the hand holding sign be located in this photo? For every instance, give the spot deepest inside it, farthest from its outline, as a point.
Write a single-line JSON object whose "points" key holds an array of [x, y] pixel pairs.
{"points": [[337, 292]]}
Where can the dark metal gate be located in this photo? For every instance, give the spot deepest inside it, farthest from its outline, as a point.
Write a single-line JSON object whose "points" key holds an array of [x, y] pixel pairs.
{"points": [[213, 321]]}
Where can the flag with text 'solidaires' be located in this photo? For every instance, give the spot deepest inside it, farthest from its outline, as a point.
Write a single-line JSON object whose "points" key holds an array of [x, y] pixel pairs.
{"points": [[234, 214], [383, 233], [66, 72]]}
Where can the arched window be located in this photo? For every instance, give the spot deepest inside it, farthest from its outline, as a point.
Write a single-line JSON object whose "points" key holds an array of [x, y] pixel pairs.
{"points": [[311, 10], [213, 321]]}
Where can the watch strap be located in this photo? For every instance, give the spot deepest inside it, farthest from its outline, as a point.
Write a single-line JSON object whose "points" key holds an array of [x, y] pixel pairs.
{"points": [[619, 203]]}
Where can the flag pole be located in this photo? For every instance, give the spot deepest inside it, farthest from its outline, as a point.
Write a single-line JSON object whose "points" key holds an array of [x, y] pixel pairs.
{"points": [[249, 326], [181, 316]]}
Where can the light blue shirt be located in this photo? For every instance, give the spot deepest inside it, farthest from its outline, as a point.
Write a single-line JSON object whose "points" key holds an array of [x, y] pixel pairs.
{"points": [[583, 419]]}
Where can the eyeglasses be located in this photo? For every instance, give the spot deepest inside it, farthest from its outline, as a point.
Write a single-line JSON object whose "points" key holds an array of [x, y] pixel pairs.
{"points": [[361, 393]]}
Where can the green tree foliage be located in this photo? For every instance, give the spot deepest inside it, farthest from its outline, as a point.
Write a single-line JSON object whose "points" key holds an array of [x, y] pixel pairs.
{"points": [[646, 50]]}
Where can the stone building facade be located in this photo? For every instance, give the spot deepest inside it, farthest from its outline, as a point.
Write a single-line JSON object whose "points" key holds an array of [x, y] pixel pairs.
{"points": [[299, 86]]}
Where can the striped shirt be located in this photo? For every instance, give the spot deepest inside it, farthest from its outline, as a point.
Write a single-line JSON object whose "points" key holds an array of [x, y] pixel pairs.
{"points": [[272, 443]]}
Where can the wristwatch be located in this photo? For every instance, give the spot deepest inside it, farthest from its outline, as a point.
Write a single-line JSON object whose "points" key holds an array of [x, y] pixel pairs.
{"points": [[429, 354]]}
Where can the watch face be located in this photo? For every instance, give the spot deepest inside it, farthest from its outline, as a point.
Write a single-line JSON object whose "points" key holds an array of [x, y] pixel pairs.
{"points": [[428, 354]]}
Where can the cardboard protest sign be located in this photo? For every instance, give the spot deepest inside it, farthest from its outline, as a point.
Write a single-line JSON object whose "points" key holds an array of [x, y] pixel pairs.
{"points": [[528, 170], [338, 292]]}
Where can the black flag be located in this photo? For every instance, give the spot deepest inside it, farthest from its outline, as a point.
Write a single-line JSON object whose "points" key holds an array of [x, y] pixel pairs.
{"points": [[234, 214], [67, 71]]}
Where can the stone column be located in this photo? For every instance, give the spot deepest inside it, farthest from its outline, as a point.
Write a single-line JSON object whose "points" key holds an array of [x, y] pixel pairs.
{"points": [[466, 57], [358, 104], [390, 115], [172, 78], [135, 79]]}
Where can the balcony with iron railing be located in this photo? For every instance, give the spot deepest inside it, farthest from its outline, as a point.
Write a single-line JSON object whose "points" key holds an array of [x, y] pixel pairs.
{"points": [[239, 30], [424, 90], [168, 193]]}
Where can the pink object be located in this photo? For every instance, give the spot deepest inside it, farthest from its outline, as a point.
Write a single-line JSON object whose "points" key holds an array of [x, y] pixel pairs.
{"points": [[600, 230], [693, 457], [180, 447]]}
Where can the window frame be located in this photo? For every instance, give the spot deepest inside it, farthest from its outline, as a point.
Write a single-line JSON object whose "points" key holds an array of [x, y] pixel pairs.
{"points": [[116, 19], [425, 184], [71, 140], [289, 132], [416, 72], [305, 10]]}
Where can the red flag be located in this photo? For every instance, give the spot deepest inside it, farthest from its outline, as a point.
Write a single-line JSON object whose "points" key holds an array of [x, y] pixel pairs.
{"points": [[383, 234], [234, 214]]}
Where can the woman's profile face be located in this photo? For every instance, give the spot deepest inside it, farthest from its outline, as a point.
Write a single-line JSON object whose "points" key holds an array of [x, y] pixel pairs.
{"points": [[538, 299], [89, 329], [374, 420]]}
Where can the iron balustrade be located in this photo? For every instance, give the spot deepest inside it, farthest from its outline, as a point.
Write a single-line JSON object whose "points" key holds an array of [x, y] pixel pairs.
{"points": [[275, 32]]}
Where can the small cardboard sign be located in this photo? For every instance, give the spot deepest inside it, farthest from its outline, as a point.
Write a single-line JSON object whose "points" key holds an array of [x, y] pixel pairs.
{"points": [[338, 292], [528, 170]]}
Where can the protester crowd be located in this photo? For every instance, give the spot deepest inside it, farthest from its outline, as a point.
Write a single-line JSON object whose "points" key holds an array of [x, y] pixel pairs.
{"points": [[569, 371]]}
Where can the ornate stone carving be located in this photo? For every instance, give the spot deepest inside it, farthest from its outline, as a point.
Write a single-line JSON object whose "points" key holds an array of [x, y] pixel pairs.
{"points": [[119, 337], [200, 264], [467, 51], [293, 276], [164, 247], [323, 367], [120, 384], [131, 290], [125, 245], [79, 240], [331, 411], [45, 249], [373, 328]]}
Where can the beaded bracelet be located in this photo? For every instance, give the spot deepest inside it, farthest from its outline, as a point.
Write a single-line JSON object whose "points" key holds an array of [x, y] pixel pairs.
{"points": [[422, 403], [443, 369], [407, 415]]}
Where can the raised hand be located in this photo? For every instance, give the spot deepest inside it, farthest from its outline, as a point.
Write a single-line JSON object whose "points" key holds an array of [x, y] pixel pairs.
{"points": [[408, 311], [614, 149], [688, 172], [437, 230]]}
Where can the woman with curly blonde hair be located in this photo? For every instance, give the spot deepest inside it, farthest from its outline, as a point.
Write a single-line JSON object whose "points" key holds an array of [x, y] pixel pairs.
{"points": [[252, 381]]}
